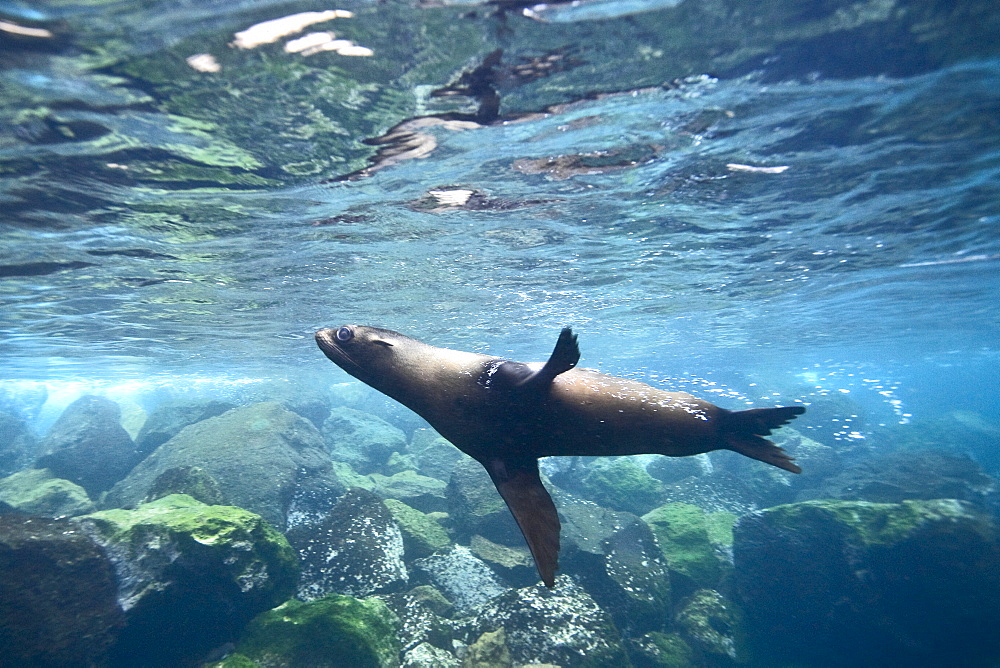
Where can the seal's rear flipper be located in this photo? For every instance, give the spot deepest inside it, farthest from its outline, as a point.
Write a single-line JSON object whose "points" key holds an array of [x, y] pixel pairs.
{"points": [[742, 432], [521, 487]]}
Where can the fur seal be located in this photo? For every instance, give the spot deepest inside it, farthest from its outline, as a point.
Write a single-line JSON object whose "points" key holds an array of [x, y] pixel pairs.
{"points": [[507, 414]]}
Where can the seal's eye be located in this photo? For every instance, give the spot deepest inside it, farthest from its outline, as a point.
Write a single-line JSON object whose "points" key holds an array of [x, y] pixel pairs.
{"points": [[344, 334]]}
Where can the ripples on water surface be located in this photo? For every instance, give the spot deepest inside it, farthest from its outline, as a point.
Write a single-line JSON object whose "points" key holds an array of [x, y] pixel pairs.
{"points": [[768, 201]]}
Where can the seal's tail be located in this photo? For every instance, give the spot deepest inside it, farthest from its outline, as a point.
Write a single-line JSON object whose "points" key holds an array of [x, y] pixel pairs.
{"points": [[743, 430]]}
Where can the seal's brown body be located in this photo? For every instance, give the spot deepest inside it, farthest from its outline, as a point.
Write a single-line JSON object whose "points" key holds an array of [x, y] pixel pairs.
{"points": [[507, 414]]}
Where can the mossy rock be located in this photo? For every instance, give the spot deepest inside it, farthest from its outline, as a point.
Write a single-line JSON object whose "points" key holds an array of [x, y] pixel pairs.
{"points": [[624, 485], [190, 574], [422, 535], [682, 530], [330, 632], [191, 480], [38, 492], [663, 650], [714, 625]]}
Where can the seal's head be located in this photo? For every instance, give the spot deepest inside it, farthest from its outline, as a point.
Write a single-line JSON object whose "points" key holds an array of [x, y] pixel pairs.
{"points": [[364, 352]]}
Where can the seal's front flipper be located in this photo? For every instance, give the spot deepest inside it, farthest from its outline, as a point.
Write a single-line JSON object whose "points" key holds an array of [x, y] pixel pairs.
{"points": [[563, 358], [521, 487]]}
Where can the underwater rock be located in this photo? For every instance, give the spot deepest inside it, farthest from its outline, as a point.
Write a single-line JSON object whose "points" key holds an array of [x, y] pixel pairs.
{"points": [[462, 577], [419, 491], [909, 474], [58, 597], [629, 579], [330, 632], [356, 550], [563, 626], [299, 396], [661, 650], [167, 420], [681, 531], [17, 444], [475, 506], [585, 526], [363, 440], [38, 492], [190, 480], [422, 535], [88, 445], [514, 564], [258, 454], [190, 576], [713, 626], [622, 484], [435, 456], [489, 651], [675, 469], [913, 583], [426, 654], [421, 612]]}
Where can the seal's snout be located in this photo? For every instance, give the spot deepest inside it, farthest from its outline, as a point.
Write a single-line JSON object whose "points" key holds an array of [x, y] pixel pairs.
{"points": [[324, 337]]}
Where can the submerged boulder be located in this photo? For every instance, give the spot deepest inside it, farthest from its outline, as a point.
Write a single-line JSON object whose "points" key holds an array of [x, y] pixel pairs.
{"points": [[563, 626], [622, 484], [356, 550], [330, 632], [88, 445], [629, 578], [908, 474], [258, 454], [713, 626], [462, 577], [170, 417], [17, 444], [682, 531], [475, 506], [58, 597], [860, 583], [363, 440], [38, 492], [190, 576], [422, 534]]}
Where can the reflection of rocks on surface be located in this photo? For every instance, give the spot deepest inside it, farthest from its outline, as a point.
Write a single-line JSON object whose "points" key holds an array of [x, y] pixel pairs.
{"points": [[88, 445], [258, 454], [872, 584], [58, 597]]}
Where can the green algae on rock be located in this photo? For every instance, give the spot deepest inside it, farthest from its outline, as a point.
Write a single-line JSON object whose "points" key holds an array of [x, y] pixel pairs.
{"points": [[39, 492], [329, 632], [900, 583], [190, 575], [422, 535], [682, 530], [258, 454], [624, 485], [714, 625]]}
